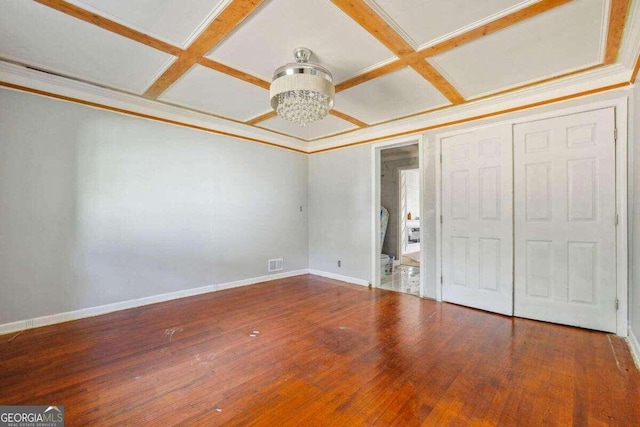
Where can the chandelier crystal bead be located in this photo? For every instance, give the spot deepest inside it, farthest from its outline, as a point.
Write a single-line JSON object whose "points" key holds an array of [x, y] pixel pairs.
{"points": [[302, 92]]}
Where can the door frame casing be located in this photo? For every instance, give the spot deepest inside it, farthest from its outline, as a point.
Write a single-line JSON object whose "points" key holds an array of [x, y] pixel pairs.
{"points": [[620, 106], [375, 204]]}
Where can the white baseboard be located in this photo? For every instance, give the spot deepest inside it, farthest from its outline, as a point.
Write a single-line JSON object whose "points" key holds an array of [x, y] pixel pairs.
{"points": [[634, 346], [123, 305], [339, 277]]}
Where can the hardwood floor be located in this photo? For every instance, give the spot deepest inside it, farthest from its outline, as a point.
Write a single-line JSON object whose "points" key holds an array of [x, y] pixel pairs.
{"points": [[324, 353]]}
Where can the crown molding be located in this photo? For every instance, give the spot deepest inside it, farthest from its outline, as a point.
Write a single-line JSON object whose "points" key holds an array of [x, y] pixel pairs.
{"points": [[99, 97], [64, 88], [630, 47], [565, 87]]}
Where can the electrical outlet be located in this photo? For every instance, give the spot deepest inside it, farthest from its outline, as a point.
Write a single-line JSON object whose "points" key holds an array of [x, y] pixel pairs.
{"points": [[339, 263]]}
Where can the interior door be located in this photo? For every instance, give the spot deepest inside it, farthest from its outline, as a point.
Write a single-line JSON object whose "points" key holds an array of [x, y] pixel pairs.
{"points": [[477, 219], [565, 252]]}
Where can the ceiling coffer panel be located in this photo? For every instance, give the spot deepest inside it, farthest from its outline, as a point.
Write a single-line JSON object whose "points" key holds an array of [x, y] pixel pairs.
{"points": [[207, 90], [423, 23], [330, 125], [44, 38], [266, 40], [175, 22], [393, 95], [390, 59], [549, 44]]}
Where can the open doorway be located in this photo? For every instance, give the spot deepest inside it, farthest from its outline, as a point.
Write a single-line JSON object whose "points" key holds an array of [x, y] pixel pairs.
{"points": [[409, 218], [399, 194]]}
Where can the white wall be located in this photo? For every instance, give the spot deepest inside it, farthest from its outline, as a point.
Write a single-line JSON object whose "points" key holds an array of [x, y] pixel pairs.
{"points": [[339, 212], [97, 208]]}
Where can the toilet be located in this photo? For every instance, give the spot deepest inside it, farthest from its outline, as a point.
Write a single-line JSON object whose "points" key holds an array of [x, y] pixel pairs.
{"points": [[384, 261]]}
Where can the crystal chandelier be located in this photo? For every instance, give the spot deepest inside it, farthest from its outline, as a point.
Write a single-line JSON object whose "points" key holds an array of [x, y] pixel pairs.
{"points": [[302, 92]]}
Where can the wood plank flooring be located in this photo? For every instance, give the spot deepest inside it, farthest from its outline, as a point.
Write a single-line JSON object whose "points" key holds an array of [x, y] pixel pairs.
{"points": [[324, 353]]}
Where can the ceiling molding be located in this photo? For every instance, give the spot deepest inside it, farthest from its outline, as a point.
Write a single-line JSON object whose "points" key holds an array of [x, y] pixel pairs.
{"points": [[180, 66], [348, 118], [32, 81], [617, 17], [369, 18], [433, 76], [387, 68], [262, 117], [496, 113], [624, 39], [634, 73], [202, 27], [552, 91], [630, 46], [499, 22], [109, 25], [217, 66], [487, 95], [235, 12], [374, 24], [392, 23]]}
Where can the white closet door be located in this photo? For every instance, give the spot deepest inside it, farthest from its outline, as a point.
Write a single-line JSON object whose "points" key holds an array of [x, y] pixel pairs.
{"points": [[477, 229], [565, 252]]}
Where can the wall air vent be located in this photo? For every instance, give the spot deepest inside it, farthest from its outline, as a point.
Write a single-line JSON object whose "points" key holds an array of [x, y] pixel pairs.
{"points": [[276, 265]]}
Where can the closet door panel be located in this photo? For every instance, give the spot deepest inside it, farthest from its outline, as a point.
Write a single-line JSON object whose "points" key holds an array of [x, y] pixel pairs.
{"points": [[565, 247], [477, 229]]}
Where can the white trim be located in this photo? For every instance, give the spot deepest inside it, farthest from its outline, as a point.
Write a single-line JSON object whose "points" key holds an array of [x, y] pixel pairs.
{"points": [[604, 29], [622, 261], [634, 346], [339, 277], [622, 236], [422, 165], [630, 45], [438, 147], [22, 76], [124, 305], [57, 85], [375, 205]]}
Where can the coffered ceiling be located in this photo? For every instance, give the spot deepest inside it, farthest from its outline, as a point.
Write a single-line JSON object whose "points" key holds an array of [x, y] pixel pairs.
{"points": [[390, 59]]}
